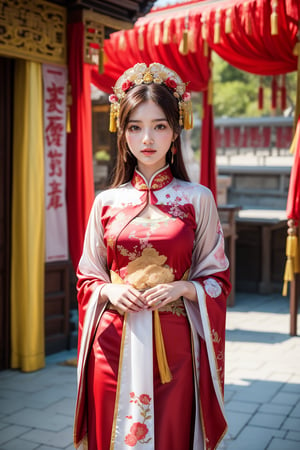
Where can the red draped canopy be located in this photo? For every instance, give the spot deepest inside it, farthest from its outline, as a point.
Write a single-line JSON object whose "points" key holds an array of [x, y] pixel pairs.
{"points": [[238, 31], [179, 36], [257, 36]]}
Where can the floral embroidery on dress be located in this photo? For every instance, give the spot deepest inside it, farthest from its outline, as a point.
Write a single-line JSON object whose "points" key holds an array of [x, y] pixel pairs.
{"points": [[125, 252], [139, 430], [215, 337], [212, 287], [176, 308], [219, 253], [161, 180], [111, 241], [177, 212], [148, 270]]}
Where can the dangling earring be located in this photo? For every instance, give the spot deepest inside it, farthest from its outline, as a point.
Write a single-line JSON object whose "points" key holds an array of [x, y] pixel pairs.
{"points": [[173, 152]]}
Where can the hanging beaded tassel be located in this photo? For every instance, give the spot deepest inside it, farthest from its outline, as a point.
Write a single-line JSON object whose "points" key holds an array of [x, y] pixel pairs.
{"points": [[187, 115], [113, 116]]}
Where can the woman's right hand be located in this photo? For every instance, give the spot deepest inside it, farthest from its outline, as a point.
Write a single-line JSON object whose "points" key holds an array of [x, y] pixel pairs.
{"points": [[124, 297]]}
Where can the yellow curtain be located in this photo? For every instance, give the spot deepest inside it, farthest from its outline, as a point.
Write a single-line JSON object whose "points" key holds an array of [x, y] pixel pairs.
{"points": [[28, 223]]}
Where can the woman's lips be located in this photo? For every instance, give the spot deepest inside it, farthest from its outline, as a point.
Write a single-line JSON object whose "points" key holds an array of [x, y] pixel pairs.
{"points": [[148, 151]]}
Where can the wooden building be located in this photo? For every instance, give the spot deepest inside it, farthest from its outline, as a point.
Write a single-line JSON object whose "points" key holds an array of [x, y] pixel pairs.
{"points": [[35, 291]]}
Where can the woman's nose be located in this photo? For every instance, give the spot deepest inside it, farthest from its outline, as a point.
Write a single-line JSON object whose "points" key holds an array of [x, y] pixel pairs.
{"points": [[147, 139]]}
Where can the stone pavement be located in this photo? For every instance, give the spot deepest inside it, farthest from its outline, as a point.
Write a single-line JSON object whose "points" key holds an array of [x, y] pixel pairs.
{"points": [[262, 391]]}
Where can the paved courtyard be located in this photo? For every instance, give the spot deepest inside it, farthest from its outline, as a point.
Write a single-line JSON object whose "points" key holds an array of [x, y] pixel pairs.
{"points": [[262, 391]]}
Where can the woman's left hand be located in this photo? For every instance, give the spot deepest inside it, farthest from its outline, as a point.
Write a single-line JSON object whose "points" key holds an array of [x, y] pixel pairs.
{"points": [[165, 293]]}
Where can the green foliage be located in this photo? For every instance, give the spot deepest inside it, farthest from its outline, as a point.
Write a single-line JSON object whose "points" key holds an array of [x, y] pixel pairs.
{"points": [[236, 91], [102, 155], [236, 95]]}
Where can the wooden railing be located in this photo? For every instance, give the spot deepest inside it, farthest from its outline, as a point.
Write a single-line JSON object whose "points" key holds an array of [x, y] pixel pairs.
{"points": [[227, 214]]}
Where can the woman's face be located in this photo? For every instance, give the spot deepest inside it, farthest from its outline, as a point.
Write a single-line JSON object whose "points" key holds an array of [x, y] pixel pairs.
{"points": [[149, 137]]}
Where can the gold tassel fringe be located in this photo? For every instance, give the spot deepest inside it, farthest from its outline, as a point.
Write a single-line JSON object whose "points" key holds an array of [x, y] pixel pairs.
{"points": [[163, 366], [274, 18], [122, 42], [217, 28], [166, 32], [183, 47], [228, 24], [274, 23], [297, 258], [292, 264], [156, 33], [204, 36], [191, 39], [141, 38], [205, 49]]}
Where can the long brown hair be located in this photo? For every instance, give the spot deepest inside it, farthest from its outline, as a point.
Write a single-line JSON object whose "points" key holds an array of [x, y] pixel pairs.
{"points": [[160, 95]]}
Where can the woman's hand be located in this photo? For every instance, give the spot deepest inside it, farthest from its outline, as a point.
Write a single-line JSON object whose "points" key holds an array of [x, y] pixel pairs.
{"points": [[124, 297], [165, 293]]}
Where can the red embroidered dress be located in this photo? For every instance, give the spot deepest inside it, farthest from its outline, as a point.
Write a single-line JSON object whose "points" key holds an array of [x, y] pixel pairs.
{"points": [[120, 246]]}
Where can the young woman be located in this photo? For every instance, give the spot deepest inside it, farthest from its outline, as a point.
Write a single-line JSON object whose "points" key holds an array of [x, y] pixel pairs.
{"points": [[152, 286]]}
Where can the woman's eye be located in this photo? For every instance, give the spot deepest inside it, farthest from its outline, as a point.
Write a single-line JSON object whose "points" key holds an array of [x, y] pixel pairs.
{"points": [[133, 128], [161, 126]]}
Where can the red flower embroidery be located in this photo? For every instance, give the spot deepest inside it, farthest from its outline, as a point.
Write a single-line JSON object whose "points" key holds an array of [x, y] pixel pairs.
{"points": [[145, 399], [113, 98], [130, 440], [127, 85], [171, 83], [139, 430]]}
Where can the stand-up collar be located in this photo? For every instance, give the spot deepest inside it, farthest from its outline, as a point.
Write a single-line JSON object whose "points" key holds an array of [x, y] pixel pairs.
{"points": [[159, 179]]}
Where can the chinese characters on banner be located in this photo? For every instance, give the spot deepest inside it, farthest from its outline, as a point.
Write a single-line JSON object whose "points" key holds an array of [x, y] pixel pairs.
{"points": [[55, 85]]}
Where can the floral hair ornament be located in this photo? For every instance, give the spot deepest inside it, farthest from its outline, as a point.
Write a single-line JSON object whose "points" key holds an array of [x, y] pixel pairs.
{"points": [[154, 73]]}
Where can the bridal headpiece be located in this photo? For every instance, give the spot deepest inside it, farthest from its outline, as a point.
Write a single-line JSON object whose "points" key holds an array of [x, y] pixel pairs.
{"points": [[154, 73]]}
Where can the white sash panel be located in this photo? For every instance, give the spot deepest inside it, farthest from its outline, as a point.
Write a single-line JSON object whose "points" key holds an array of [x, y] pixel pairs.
{"points": [[134, 413]]}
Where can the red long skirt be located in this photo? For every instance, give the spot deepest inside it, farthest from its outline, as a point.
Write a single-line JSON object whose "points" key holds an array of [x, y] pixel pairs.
{"points": [[173, 402]]}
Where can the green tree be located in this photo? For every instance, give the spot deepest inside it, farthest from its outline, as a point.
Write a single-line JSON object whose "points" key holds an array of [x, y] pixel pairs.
{"points": [[236, 92]]}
